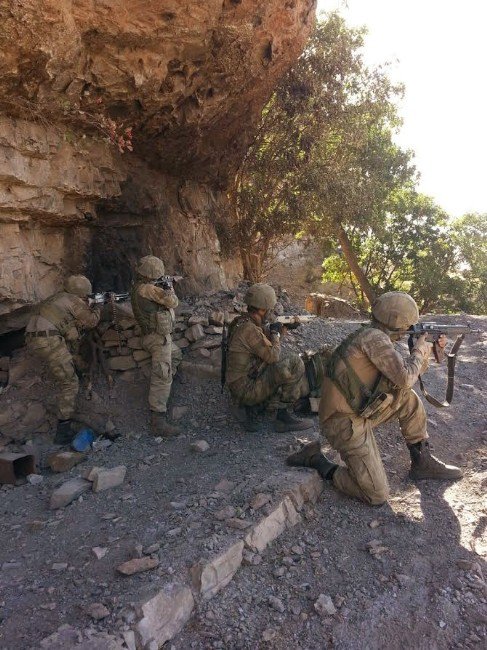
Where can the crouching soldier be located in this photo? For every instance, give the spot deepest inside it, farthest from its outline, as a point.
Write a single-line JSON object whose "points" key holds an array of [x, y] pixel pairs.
{"points": [[368, 383], [152, 307], [255, 373], [56, 324]]}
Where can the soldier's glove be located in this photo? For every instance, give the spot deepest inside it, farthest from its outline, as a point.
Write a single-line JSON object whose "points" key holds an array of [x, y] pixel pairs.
{"points": [[276, 328]]}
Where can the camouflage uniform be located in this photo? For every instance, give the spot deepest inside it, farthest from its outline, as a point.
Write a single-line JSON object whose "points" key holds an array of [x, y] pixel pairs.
{"points": [[57, 323], [367, 382], [151, 306], [370, 354], [255, 374]]}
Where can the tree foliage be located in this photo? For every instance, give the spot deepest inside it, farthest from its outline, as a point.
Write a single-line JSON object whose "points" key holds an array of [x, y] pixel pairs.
{"points": [[325, 162], [319, 147]]}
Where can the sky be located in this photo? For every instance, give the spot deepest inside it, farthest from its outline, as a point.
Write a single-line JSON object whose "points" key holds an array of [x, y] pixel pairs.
{"points": [[438, 50]]}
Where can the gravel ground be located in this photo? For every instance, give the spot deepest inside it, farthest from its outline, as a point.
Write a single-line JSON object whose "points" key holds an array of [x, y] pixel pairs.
{"points": [[414, 590]]}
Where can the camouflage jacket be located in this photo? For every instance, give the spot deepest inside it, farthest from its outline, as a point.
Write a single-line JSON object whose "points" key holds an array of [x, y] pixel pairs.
{"points": [[371, 354], [249, 349], [66, 313]]}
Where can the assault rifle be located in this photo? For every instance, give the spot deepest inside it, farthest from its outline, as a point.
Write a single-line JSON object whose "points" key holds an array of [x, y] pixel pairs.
{"points": [[105, 297], [436, 330], [293, 322]]}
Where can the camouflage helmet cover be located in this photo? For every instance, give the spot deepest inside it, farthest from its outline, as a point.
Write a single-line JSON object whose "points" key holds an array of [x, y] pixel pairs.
{"points": [[78, 284], [150, 267], [395, 310], [261, 296]]}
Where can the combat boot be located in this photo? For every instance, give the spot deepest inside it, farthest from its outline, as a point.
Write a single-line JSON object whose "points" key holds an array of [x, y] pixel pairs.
{"points": [[286, 422], [161, 426], [250, 424], [425, 465], [64, 432], [247, 417], [312, 456]]}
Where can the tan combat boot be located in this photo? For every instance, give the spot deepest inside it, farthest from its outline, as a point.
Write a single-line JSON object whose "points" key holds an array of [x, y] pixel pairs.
{"points": [[424, 465], [286, 422], [311, 456], [161, 426]]}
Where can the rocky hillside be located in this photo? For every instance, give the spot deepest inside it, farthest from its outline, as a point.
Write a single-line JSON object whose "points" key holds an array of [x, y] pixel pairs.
{"points": [[180, 82]]}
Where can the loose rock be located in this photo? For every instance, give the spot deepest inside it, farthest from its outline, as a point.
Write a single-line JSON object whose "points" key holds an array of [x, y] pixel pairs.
{"points": [[97, 611], [199, 446], [137, 565], [68, 492], [324, 605]]}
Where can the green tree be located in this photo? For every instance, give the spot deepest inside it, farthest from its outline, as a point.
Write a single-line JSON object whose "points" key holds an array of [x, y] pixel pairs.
{"points": [[469, 234], [417, 249], [323, 156]]}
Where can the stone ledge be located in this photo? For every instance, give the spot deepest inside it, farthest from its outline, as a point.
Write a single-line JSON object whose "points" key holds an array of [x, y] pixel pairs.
{"points": [[165, 614]]}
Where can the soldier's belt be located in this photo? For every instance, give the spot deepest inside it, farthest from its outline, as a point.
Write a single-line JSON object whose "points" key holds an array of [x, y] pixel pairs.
{"points": [[45, 333]]}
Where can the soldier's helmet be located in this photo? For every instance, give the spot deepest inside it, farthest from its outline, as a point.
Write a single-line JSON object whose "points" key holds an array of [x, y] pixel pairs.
{"points": [[261, 296], [150, 267], [395, 310], [78, 284]]}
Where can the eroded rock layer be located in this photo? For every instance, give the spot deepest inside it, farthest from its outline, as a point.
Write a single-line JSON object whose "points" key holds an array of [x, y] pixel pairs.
{"points": [[187, 78]]}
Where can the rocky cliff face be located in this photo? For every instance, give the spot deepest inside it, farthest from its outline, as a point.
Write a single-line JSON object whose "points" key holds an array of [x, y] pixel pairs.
{"points": [[186, 78]]}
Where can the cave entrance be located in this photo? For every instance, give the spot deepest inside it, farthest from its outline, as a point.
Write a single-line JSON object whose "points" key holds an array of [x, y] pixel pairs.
{"points": [[112, 257]]}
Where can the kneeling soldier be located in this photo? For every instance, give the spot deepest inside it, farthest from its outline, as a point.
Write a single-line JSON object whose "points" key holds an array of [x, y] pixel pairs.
{"points": [[152, 310], [58, 322], [367, 369], [255, 373]]}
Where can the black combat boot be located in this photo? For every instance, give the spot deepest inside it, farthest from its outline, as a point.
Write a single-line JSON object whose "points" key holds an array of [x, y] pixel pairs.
{"points": [[287, 422], [161, 426], [247, 416], [250, 424], [64, 432], [425, 465], [312, 456]]}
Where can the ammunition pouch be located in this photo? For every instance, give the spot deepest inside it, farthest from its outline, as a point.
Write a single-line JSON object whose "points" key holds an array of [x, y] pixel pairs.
{"points": [[315, 364], [376, 406]]}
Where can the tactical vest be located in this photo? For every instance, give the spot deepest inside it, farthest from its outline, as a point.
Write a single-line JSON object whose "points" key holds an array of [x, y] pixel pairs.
{"points": [[151, 317], [62, 320], [232, 328], [346, 379]]}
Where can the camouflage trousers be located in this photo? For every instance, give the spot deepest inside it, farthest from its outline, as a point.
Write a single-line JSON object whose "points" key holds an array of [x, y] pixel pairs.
{"points": [[54, 351], [279, 385], [364, 476], [161, 350]]}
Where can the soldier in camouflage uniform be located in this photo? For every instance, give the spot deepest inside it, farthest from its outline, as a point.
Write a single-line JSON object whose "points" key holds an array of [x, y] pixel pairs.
{"points": [[365, 366], [255, 372], [57, 324], [152, 307]]}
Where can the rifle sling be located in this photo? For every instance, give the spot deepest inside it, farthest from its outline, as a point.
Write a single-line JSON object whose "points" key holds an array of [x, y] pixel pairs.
{"points": [[451, 361]]}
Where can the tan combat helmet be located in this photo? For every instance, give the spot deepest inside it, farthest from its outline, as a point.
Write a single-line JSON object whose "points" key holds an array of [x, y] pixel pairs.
{"points": [[150, 267], [261, 296], [395, 310], [78, 284]]}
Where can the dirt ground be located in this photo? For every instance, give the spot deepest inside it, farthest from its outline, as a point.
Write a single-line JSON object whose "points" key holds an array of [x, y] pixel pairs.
{"points": [[422, 586]]}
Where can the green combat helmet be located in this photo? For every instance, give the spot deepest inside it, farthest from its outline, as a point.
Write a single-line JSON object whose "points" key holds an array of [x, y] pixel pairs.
{"points": [[261, 296], [150, 267], [78, 284], [395, 310]]}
